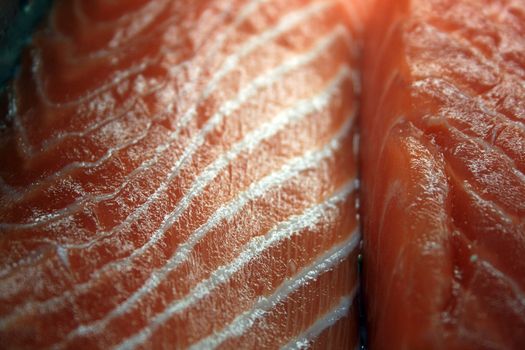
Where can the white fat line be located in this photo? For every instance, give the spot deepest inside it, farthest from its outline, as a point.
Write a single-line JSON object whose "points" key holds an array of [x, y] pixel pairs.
{"points": [[117, 114], [74, 166], [227, 108], [68, 168], [119, 76], [449, 91], [126, 107], [136, 23], [281, 231], [264, 80], [110, 49], [135, 20], [292, 168], [503, 214], [304, 339], [285, 23], [465, 43], [333, 257], [245, 12], [250, 141], [519, 294], [232, 61], [28, 149], [489, 148], [302, 109]]}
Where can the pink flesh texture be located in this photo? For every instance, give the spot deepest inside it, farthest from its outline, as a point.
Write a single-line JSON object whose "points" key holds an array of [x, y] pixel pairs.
{"points": [[180, 174], [442, 162]]}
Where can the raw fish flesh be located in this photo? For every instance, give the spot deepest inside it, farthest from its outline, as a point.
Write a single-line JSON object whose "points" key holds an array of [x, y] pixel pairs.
{"points": [[182, 174], [442, 164]]}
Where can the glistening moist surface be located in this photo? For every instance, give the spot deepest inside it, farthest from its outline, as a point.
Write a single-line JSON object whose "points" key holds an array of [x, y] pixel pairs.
{"points": [[443, 146], [182, 174]]}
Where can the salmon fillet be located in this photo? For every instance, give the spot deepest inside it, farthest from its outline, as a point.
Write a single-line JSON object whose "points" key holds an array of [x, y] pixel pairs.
{"points": [[182, 175], [442, 161]]}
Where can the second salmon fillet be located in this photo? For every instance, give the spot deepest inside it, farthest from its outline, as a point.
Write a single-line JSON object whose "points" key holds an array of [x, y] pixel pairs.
{"points": [[442, 155]]}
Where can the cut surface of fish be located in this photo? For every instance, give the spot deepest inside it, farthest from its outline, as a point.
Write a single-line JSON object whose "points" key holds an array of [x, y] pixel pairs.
{"points": [[182, 174], [442, 163]]}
